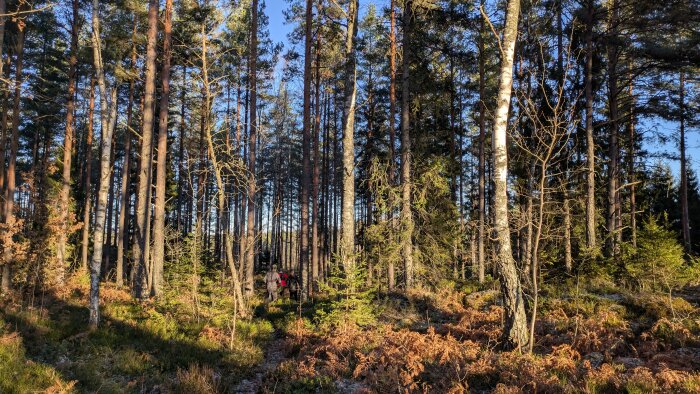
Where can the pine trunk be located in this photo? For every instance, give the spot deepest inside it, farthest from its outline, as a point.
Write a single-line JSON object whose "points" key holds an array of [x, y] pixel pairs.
{"points": [[316, 167], [685, 220], [391, 269], [613, 195], [141, 246], [590, 142], [123, 229], [347, 243], [406, 213], [64, 195], [9, 219], [162, 158], [252, 140], [481, 226]]}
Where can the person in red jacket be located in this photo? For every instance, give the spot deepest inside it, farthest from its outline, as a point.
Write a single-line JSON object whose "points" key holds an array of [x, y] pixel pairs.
{"points": [[283, 280]]}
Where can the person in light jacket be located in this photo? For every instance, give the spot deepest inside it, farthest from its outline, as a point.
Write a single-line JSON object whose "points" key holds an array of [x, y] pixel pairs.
{"points": [[272, 278]]}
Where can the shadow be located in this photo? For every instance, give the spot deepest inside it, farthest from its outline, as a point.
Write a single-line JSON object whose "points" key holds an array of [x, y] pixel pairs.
{"points": [[118, 356]]}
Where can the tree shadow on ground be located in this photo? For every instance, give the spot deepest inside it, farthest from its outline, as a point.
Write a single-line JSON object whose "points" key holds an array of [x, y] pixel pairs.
{"points": [[119, 356]]}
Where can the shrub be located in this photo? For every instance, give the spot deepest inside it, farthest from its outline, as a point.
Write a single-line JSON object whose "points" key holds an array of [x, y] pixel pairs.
{"points": [[348, 303], [658, 260]]}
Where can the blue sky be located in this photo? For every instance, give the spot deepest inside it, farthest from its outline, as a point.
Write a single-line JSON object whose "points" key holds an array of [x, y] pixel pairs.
{"points": [[279, 31]]}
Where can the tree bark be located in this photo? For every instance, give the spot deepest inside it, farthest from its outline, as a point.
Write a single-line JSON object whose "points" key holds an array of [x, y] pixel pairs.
{"points": [[107, 251], [590, 143], [64, 195], [406, 213], [347, 243], [123, 229], [181, 198], [306, 152], [685, 220], [88, 177], [481, 226], [391, 269], [141, 247], [613, 214], [161, 170], [3, 10], [568, 259], [107, 121], [252, 140], [317, 164], [9, 219], [515, 333], [3, 140], [631, 124]]}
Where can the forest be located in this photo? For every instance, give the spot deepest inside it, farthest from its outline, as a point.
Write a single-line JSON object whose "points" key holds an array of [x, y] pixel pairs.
{"points": [[351, 196]]}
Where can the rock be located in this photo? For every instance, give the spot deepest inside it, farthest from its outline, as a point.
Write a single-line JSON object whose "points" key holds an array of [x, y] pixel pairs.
{"points": [[347, 386], [613, 297], [628, 362], [684, 359], [596, 359]]}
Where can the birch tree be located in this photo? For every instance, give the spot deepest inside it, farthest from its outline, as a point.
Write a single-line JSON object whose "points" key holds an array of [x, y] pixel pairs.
{"points": [[515, 333], [108, 117]]}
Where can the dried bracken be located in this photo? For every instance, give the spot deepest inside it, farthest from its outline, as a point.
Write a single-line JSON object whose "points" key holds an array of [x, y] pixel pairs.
{"points": [[591, 352]]}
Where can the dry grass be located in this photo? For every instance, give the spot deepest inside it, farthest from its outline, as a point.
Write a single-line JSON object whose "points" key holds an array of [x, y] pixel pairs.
{"points": [[197, 380]]}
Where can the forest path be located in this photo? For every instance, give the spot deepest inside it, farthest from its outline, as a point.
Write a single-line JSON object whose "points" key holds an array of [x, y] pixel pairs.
{"points": [[274, 355]]}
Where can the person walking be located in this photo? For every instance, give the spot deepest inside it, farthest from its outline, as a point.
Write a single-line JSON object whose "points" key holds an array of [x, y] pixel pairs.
{"points": [[272, 278]]}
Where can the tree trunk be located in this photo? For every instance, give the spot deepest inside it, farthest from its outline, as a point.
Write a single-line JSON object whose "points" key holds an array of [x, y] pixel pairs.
{"points": [[88, 178], [252, 140], [391, 274], [107, 251], [9, 219], [613, 213], [161, 170], [347, 243], [568, 259], [630, 166], [406, 214], [107, 120], [181, 200], [238, 293], [3, 10], [64, 195], [515, 322], [3, 140], [141, 255], [481, 226], [317, 165], [590, 143], [306, 152], [685, 221], [123, 230]]}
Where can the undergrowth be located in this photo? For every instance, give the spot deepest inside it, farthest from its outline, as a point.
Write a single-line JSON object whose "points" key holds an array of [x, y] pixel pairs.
{"points": [[447, 341], [597, 339], [139, 346]]}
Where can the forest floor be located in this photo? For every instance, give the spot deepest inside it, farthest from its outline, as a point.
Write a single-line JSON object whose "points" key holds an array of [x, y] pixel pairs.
{"points": [[592, 339], [274, 355]]}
